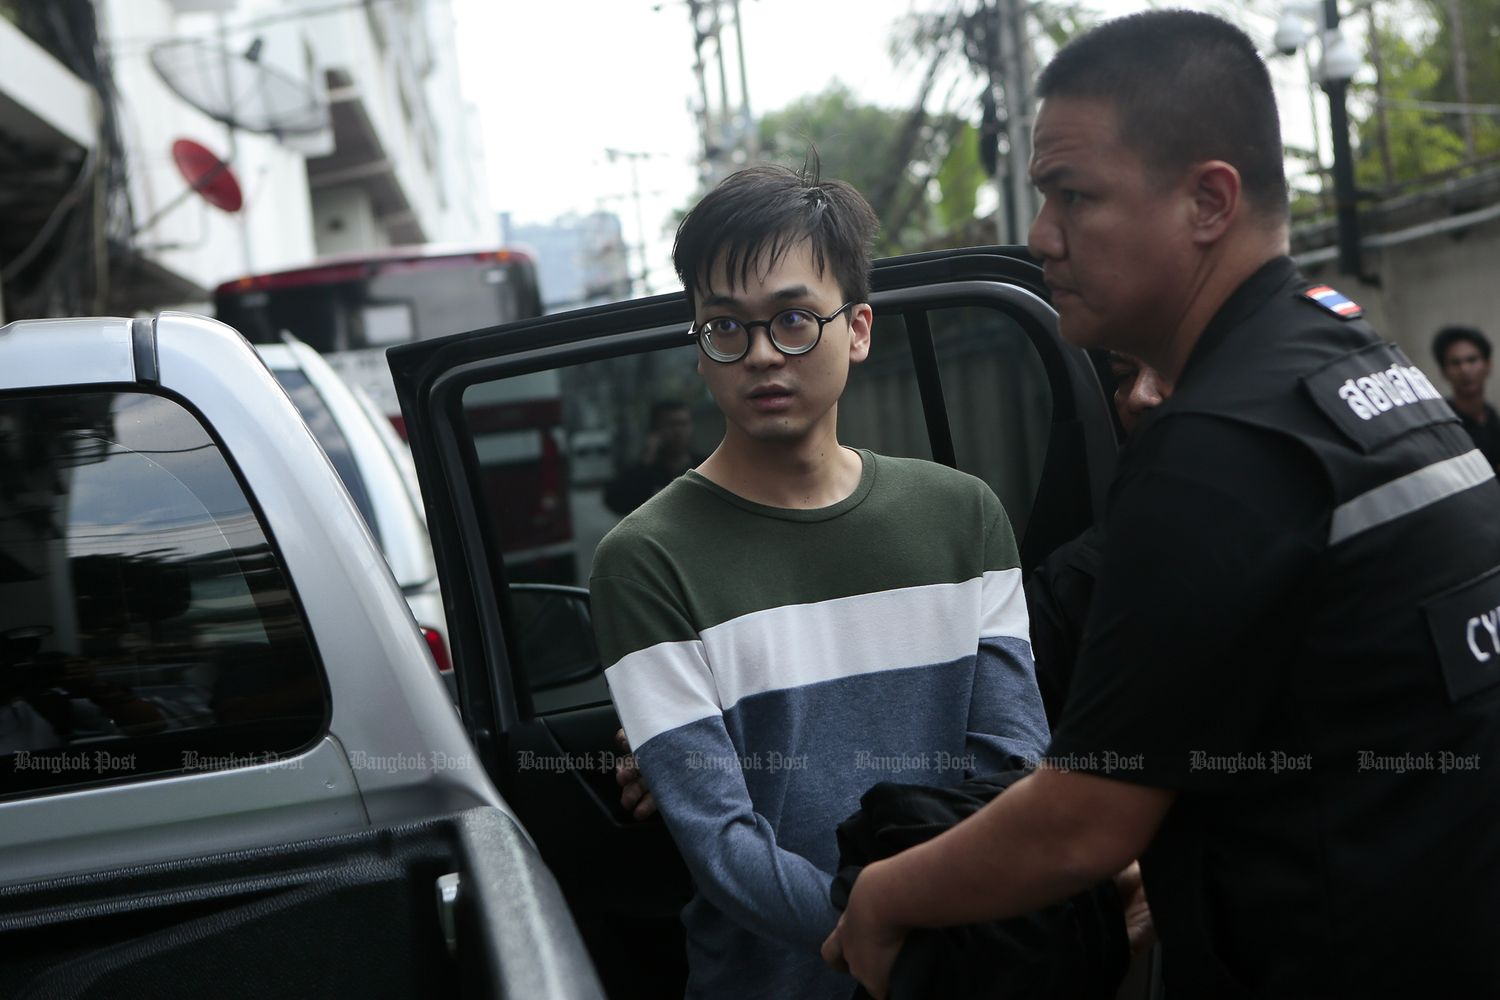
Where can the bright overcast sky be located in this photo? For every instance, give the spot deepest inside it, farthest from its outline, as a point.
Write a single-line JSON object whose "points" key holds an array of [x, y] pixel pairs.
{"points": [[557, 84]]}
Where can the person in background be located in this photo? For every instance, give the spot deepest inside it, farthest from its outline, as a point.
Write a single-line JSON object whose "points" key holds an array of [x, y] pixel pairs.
{"points": [[1463, 356], [667, 455]]}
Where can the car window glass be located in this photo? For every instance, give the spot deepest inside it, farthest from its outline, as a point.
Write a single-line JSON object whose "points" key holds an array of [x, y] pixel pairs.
{"points": [[325, 429], [564, 454], [146, 624], [999, 402], [875, 411]]}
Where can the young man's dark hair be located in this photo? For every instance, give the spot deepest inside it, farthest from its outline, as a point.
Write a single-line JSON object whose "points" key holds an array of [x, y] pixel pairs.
{"points": [[760, 213], [1450, 335], [1188, 88]]}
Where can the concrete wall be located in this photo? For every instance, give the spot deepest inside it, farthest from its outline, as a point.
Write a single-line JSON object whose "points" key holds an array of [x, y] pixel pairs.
{"points": [[344, 221], [459, 156], [1428, 283], [402, 59], [41, 101]]}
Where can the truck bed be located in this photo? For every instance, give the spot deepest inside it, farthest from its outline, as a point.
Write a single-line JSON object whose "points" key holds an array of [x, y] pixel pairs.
{"points": [[355, 915]]}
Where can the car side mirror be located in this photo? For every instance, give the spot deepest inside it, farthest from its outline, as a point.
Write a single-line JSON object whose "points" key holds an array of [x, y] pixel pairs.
{"points": [[555, 633]]}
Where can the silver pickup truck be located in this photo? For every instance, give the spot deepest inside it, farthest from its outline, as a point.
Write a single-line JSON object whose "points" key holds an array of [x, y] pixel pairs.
{"points": [[227, 765], [229, 768]]}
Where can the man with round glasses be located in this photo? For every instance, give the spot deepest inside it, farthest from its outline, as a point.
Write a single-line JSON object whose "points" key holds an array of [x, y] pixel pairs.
{"points": [[792, 331], [795, 620]]}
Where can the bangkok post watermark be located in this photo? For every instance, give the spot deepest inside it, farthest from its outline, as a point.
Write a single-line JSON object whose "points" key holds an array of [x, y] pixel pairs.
{"points": [[767, 760], [563, 763], [1093, 762], [56, 762], [926, 760], [1261, 761], [1438, 762], [422, 760], [605, 761], [194, 760]]}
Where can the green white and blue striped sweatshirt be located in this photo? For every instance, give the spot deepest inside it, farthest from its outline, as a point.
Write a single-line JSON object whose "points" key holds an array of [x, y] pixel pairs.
{"points": [[770, 665]]}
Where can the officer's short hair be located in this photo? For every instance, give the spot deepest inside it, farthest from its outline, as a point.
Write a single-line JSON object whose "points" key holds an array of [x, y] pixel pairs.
{"points": [[757, 215], [1450, 335], [1188, 88]]}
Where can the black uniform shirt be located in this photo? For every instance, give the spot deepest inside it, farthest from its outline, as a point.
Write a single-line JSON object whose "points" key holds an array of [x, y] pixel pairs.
{"points": [[1486, 435], [1197, 674], [1058, 595], [1204, 577]]}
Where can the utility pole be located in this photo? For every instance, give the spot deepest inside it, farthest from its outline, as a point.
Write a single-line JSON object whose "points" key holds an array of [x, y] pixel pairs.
{"points": [[1317, 137], [749, 141], [634, 158], [999, 31], [1461, 72], [705, 114], [982, 35], [728, 132], [1016, 44], [1336, 86], [1382, 118]]}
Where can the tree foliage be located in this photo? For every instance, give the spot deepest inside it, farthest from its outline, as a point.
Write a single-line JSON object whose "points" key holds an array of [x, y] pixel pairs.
{"points": [[920, 172], [1403, 137], [1480, 21]]}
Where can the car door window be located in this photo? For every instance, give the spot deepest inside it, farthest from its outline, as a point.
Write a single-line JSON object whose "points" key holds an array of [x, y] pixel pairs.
{"points": [[875, 410], [999, 402], [563, 454], [146, 622]]}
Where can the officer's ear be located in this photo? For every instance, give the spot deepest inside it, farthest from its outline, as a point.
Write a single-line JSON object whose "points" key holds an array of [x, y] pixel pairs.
{"points": [[1214, 187]]}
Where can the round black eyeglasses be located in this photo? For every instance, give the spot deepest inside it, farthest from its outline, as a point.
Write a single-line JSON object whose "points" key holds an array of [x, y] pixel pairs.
{"points": [[792, 331]]}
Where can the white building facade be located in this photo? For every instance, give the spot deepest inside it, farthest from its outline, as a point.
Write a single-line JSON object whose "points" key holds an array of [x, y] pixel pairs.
{"points": [[393, 157]]}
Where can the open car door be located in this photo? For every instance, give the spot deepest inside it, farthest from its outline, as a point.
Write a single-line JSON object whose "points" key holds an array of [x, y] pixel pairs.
{"points": [[518, 433]]}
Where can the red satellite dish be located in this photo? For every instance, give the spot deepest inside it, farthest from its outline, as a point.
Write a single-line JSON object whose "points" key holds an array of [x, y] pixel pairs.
{"points": [[208, 175]]}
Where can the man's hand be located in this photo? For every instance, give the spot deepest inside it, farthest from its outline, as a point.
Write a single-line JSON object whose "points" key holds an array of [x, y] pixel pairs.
{"points": [[635, 797], [864, 945], [1138, 926]]}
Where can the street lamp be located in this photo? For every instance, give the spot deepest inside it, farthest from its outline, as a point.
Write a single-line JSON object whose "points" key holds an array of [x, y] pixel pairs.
{"points": [[1336, 67]]}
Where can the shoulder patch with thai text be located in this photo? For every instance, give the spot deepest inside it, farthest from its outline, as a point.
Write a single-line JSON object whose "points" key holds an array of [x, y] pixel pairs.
{"points": [[1376, 395]]}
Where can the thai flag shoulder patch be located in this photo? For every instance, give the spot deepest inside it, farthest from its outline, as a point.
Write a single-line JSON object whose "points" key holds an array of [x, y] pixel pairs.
{"points": [[1334, 302]]}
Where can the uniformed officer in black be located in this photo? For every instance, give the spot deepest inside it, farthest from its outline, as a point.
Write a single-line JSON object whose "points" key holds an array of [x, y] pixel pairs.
{"points": [[1287, 703]]}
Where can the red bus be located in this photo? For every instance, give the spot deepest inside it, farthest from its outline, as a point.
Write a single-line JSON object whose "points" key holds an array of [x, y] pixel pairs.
{"points": [[352, 307]]}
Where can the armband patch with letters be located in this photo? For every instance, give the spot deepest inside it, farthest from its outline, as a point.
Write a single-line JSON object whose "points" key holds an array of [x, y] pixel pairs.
{"points": [[1375, 395], [1335, 302], [1465, 626]]}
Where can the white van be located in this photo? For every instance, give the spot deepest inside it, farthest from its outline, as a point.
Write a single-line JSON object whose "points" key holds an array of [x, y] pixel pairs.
{"points": [[375, 466]]}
